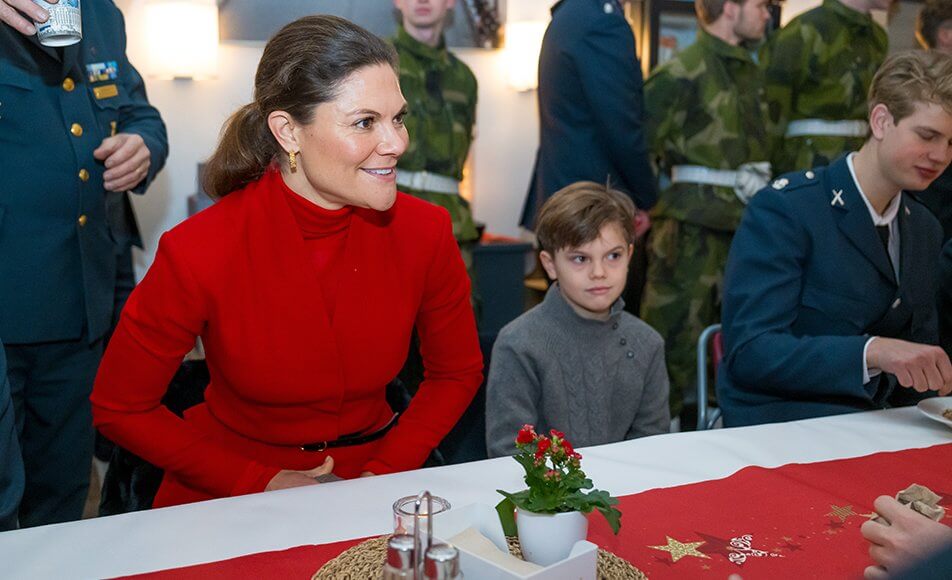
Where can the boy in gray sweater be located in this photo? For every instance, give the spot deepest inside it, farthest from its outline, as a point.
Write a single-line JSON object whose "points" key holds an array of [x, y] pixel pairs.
{"points": [[578, 362]]}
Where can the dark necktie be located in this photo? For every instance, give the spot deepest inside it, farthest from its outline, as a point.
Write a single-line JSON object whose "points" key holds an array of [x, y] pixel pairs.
{"points": [[883, 232]]}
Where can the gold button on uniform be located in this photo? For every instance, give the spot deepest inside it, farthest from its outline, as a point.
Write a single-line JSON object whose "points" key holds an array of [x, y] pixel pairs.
{"points": [[68, 85], [83, 175], [76, 129], [82, 220]]}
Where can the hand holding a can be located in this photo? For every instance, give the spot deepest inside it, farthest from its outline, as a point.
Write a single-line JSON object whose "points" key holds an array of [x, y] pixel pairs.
{"points": [[18, 13], [127, 160]]}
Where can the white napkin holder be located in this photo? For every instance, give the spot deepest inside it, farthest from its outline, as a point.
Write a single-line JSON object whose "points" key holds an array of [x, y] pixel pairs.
{"points": [[579, 565]]}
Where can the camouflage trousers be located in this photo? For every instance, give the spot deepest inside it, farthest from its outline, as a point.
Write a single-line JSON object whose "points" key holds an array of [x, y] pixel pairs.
{"points": [[683, 295]]}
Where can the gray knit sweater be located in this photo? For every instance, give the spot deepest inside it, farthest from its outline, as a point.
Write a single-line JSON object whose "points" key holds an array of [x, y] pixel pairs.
{"points": [[597, 381]]}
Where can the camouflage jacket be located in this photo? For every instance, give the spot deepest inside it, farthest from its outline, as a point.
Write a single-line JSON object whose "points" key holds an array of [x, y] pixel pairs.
{"points": [[705, 107], [820, 66], [441, 102]]}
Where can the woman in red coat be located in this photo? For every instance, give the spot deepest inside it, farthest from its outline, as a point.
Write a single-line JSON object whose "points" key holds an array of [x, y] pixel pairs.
{"points": [[305, 282]]}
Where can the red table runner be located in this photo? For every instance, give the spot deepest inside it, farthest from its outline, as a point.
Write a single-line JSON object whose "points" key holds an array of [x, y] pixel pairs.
{"points": [[795, 521]]}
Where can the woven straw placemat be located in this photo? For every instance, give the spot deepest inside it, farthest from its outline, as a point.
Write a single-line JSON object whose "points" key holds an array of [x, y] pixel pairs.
{"points": [[365, 561]]}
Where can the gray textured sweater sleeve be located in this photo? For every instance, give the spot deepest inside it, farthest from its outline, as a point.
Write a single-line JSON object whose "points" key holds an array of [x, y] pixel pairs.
{"points": [[512, 394], [653, 414]]}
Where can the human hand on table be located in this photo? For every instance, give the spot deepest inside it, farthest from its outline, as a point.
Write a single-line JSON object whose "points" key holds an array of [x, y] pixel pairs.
{"points": [[287, 478], [910, 537], [922, 367], [126, 158], [13, 11]]}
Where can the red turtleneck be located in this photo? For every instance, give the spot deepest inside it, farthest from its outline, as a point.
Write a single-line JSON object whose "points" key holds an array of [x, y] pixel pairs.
{"points": [[324, 232]]}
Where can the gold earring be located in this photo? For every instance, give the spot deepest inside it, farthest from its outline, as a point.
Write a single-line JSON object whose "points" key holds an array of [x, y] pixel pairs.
{"points": [[292, 161]]}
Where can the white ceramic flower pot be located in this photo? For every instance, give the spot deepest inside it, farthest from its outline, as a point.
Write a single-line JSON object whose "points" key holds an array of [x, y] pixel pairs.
{"points": [[548, 538]]}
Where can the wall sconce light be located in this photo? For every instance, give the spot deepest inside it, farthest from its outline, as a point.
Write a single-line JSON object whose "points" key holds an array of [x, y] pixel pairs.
{"points": [[182, 38], [521, 54]]}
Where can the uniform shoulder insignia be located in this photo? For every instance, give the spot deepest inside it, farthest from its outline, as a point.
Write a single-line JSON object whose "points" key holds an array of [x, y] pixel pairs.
{"points": [[795, 180]]}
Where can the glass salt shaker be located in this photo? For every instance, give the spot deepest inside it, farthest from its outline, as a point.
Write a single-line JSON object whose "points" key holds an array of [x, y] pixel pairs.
{"points": [[399, 565]]}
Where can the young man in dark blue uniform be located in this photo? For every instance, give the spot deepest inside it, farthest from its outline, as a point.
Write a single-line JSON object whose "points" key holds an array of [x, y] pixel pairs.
{"points": [[76, 133], [591, 112], [830, 285]]}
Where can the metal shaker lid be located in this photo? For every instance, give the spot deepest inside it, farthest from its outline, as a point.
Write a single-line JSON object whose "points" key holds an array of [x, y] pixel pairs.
{"points": [[400, 551], [441, 562]]}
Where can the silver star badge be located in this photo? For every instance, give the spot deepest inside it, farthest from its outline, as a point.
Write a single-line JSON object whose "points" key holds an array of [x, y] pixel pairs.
{"points": [[780, 183], [837, 198]]}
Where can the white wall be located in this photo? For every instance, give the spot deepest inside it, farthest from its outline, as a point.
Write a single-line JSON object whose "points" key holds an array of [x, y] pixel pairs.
{"points": [[504, 150], [194, 111]]}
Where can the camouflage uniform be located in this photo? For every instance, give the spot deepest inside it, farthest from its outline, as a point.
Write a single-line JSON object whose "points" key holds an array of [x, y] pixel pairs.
{"points": [[441, 104], [705, 108], [820, 66], [441, 98]]}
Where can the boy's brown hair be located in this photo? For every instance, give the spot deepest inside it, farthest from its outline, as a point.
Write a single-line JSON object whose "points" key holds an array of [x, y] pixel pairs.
{"points": [[576, 214], [915, 76]]}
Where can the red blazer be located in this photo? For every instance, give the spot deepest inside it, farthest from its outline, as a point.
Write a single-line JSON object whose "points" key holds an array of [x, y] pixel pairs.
{"points": [[284, 370]]}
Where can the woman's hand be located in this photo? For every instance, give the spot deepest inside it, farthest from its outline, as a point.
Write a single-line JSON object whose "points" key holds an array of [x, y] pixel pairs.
{"points": [[287, 478]]}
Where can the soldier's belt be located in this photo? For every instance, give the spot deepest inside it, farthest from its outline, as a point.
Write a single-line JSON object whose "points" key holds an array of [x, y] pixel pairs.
{"points": [[823, 128], [426, 181], [703, 175]]}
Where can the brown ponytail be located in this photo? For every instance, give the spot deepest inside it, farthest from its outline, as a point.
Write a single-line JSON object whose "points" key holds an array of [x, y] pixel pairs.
{"points": [[245, 150], [302, 66]]}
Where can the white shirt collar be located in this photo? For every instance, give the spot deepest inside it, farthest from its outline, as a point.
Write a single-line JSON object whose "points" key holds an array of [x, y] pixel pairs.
{"points": [[892, 210]]}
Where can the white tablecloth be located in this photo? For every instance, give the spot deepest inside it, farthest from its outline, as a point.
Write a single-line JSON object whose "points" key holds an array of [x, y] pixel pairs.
{"points": [[220, 529]]}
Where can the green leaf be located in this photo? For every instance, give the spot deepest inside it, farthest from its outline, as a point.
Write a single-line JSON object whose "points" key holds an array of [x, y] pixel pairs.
{"points": [[507, 516], [613, 516]]}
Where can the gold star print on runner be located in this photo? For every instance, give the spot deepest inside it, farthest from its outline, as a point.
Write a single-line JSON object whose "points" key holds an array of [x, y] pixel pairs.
{"points": [[842, 512], [679, 550]]}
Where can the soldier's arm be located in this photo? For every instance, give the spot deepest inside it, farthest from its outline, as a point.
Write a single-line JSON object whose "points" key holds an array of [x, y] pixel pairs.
{"points": [[662, 102], [141, 118], [612, 82], [785, 61]]}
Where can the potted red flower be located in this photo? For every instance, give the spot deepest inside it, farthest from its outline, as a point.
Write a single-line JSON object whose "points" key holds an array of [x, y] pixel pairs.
{"points": [[551, 511]]}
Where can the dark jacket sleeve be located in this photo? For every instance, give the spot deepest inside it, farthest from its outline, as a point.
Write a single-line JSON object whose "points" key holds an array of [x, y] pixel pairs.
{"points": [[611, 78], [763, 283], [945, 298], [140, 117], [11, 462]]}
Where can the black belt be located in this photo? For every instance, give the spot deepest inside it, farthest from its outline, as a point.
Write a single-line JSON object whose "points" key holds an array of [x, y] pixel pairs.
{"points": [[353, 438]]}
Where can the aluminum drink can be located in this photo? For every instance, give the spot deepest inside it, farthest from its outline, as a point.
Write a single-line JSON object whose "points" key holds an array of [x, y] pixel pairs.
{"points": [[65, 25]]}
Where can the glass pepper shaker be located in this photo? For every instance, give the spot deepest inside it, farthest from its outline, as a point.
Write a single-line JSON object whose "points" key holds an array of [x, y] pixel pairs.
{"points": [[442, 563]]}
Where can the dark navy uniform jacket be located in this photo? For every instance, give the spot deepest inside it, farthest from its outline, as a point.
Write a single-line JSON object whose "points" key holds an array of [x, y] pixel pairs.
{"points": [[57, 251], [808, 281], [590, 106]]}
